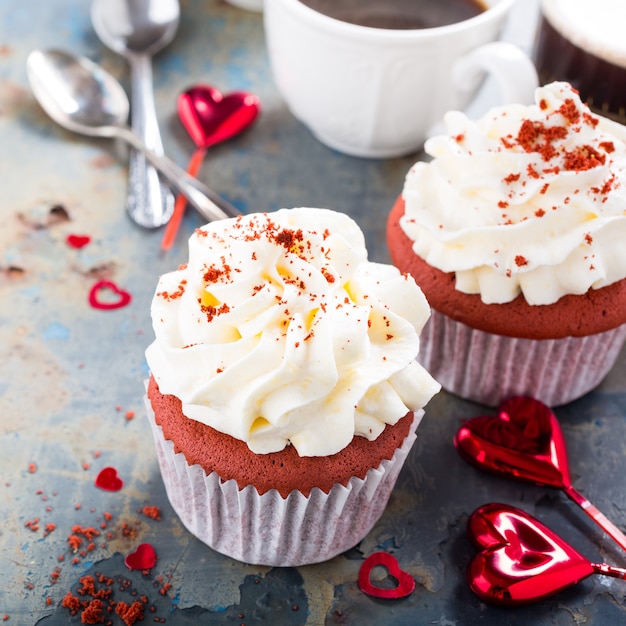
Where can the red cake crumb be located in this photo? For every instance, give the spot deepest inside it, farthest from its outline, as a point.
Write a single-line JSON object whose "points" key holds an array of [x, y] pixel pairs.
{"points": [[93, 601], [129, 613], [153, 512], [92, 613], [71, 603]]}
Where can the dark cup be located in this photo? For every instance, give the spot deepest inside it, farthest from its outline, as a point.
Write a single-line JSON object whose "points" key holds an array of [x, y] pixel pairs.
{"points": [[578, 47]]}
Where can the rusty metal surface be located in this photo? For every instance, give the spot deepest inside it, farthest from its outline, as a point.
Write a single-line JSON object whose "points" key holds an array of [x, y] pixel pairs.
{"points": [[71, 376]]}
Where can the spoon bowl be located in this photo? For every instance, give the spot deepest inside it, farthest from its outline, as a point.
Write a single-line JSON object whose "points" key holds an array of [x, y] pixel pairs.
{"points": [[82, 97], [130, 27], [76, 93]]}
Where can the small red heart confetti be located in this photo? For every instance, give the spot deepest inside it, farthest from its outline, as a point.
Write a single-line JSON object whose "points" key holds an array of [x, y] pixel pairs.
{"points": [[109, 480], [143, 558], [77, 241], [406, 583], [123, 297]]}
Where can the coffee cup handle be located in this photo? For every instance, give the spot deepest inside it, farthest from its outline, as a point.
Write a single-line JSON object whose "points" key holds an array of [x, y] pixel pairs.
{"points": [[512, 69]]}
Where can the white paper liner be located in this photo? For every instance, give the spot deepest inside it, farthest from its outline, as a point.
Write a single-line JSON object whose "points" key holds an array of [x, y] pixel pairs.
{"points": [[270, 529], [489, 368]]}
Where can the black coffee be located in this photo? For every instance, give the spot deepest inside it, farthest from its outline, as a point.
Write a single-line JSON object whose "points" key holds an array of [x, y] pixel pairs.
{"points": [[398, 14]]}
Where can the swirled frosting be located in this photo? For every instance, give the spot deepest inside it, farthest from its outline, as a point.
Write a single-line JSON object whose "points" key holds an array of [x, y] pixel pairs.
{"points": [[279, 331], [528, 199]]}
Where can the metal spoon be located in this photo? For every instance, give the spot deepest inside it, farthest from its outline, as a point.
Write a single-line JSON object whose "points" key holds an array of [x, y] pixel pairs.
{"points": [[137, 29], [82, 97]]}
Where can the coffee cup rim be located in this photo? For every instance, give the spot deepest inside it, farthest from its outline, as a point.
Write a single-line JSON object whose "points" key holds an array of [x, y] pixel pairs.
{"points": [[319, 19]]}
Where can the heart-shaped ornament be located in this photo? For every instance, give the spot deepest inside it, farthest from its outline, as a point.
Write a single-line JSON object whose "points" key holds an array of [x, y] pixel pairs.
{"points": [[523, 440], [106, 295], [405, 582], [211, 117], [521, 560], [143, 558], [109, 480]]}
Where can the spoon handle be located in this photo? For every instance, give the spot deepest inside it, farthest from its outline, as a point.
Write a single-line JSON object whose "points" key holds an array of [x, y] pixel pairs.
{"points": [[208, 203], [150, 202]]}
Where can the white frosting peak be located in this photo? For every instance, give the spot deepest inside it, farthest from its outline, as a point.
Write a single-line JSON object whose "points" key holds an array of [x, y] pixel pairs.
{"points": [[528, 199], [279, 330]]}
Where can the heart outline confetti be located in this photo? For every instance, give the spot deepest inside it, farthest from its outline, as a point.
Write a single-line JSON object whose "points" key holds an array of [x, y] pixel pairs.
{"points": [[123, 297], [406, 583]]}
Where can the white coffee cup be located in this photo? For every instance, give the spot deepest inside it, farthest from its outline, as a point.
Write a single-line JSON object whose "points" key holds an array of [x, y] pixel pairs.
{"points": [[376, 92]]}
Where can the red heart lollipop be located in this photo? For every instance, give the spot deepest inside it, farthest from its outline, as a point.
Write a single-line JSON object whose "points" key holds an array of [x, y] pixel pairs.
{"points": [[406, 583], [143, 558], [522, 560], [210, 118], [95, 296], [108, 479], [525, 441]]}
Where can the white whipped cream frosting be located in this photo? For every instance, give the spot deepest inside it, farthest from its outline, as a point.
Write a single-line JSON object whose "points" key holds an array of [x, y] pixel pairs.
{"points": [[528, 199], [279, 331]]}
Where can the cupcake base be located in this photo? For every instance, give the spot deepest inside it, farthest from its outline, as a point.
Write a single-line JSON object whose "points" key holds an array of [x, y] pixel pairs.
{"points": [[270, 529], [488, 368]]}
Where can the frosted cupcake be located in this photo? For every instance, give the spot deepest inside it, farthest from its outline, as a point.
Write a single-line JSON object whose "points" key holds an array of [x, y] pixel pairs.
{"points": [[284, 392], [515, 232]]}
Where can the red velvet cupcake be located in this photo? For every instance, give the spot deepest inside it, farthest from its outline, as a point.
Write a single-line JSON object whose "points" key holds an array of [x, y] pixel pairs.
{"points": [[284, 392], [514, 232]]}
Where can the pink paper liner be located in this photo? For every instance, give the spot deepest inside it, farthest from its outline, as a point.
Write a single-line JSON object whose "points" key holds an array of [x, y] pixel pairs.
{"points": [[269, 529], [488, 368]]}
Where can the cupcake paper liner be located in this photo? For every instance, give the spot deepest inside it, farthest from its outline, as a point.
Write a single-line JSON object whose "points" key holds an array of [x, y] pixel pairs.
{"points": [[488, 368], [269, 529]]}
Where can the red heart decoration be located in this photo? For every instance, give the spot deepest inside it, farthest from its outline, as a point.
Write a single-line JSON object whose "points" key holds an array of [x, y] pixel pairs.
{"points": [[524, 440], [521, 559], [143, 558], [211, 117], [405, 585], [108, 479], [123, 297], [77, 241]]}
